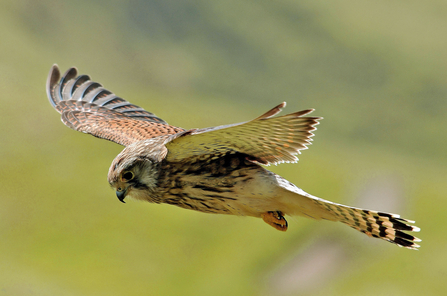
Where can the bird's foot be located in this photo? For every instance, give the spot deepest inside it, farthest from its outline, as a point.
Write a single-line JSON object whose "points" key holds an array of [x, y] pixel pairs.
{"points": [[275, 219]]}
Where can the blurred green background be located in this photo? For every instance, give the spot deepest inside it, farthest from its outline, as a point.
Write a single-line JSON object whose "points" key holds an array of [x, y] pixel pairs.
{"points": [[375, 70]]}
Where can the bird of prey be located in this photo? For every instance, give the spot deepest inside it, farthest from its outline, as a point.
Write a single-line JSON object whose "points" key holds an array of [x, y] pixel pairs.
{"points": [[212, 170]]}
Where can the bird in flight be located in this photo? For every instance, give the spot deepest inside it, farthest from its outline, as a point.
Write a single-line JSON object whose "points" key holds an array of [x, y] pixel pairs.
{"points": [[212, 170]]}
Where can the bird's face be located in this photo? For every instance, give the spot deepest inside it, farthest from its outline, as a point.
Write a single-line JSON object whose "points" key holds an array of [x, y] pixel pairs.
{"points": [[124, 185], [133, 177]]}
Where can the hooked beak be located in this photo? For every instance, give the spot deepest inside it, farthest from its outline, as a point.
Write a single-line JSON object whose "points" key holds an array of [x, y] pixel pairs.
{"points": [[121, 195]]}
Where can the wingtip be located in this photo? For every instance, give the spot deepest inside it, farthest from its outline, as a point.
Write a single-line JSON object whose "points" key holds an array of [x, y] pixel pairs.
{"points": [[54, 74], [275, 110], [52, 79], [70, 73]]}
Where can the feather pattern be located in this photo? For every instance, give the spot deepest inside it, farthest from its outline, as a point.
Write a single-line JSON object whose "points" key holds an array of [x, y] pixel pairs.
{"points": [[88, 107], [267, 139]]}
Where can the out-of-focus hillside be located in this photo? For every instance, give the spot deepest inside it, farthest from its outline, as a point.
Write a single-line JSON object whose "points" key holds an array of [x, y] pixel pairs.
{"points": [[374, 70]]}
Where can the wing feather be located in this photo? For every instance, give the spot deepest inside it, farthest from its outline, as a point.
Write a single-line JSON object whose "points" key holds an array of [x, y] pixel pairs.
{"points": [[88, 107], [267, 139]]}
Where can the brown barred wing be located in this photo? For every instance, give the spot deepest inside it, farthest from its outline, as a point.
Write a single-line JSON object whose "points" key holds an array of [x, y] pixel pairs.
{"points": [[87, 107]]}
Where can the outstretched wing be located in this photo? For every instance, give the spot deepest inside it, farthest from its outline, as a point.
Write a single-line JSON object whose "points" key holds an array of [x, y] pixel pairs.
{"points": [[267, 140], [87, 107]]}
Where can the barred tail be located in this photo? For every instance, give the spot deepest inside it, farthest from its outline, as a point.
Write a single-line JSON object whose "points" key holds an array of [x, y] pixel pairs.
{"points": [[389, 227]]}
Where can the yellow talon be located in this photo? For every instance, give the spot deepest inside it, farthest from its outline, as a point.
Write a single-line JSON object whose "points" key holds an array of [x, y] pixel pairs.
{"points": [[275, 219]]}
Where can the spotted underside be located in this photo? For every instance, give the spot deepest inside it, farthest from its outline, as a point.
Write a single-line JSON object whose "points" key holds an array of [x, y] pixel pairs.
{"points": [[205, 183]]}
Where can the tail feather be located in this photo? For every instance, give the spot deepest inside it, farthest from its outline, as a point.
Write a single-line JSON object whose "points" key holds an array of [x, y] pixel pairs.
{"points": [[386, 226]]}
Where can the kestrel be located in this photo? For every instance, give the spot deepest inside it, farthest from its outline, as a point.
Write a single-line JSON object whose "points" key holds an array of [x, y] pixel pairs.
{"points": [[212, 170]]}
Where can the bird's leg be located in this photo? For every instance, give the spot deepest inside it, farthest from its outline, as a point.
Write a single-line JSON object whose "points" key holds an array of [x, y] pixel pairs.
{"points": [[275, 219]]}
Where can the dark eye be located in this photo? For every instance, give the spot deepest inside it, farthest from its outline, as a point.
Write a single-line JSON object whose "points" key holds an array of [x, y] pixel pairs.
{"points": [[127, 176]]}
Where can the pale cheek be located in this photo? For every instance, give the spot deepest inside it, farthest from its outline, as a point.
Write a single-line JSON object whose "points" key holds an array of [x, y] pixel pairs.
{"points": [[148, 180], [138, 195]]}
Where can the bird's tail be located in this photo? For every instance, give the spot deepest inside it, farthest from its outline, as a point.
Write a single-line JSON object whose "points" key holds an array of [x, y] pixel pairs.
{"points": [[389, 227], [386, 226]]}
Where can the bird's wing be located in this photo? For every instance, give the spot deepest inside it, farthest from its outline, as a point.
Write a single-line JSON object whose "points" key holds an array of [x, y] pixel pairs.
{"points": [[265, 139], [87, 107]]}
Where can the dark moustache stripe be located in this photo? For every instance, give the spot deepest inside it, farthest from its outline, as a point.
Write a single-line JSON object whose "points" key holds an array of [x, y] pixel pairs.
{"points": [[138, 185]]}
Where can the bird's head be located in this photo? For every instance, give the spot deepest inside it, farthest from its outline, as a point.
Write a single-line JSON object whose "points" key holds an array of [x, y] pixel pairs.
{"points": [[133, 174]]}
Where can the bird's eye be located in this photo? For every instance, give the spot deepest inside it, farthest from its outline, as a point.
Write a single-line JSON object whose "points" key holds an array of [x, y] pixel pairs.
{"points": [[127, 176]]}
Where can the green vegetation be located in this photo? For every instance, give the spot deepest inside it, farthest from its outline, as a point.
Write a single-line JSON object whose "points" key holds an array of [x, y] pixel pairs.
{"points": [[376, 71]]}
